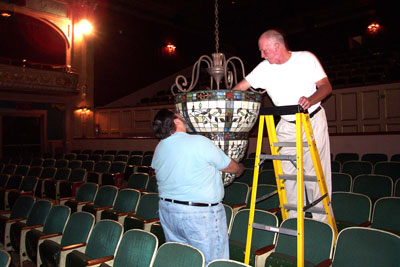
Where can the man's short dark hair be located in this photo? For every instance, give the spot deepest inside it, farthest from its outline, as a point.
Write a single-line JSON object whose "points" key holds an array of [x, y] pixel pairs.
{"points": [[163, 123]]}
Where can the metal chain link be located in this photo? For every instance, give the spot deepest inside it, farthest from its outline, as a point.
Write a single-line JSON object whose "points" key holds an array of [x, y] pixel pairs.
{"points": [[216, 32]]}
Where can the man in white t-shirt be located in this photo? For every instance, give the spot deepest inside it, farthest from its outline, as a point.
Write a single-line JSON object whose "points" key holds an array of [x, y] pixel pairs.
{"points": [[292, 78]]}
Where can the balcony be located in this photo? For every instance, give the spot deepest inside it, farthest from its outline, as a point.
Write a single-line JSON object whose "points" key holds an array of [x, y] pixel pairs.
{"points": [[27, 77]]}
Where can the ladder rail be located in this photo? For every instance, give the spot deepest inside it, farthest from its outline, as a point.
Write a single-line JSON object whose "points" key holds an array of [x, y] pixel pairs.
{"points": [[300, 190]]}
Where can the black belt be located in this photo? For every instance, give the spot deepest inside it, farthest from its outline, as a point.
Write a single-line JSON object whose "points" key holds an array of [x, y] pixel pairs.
{"points": [[311, 114], [190, 203]]}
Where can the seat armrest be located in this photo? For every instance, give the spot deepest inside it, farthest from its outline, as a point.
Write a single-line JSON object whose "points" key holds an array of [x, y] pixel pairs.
{"points": [[325, 263], [274, 210], [264, 250], [102, 208], [125, 213], [5, 213], [25, 193], [15, 220], [365, 224], [74, 246], [238, 205], [99, 260], [151, 220], [49, 236], [32, 227]]}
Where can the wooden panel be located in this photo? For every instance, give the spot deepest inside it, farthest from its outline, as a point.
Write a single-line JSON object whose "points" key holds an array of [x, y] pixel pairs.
{"points": [[142, 115], [114, 121], [371, 128], [349, 106], [126, 121], [330, 108], [370, 105], [392, 101], [332, 129], [393, 127], [104, 119], [349, 128]]}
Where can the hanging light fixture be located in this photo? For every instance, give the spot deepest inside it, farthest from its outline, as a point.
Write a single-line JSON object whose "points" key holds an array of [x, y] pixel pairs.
{"points": [[223, 115]]}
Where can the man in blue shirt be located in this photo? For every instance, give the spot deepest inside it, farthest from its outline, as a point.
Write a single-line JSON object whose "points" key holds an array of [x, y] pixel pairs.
{"points": [[188, 170]]}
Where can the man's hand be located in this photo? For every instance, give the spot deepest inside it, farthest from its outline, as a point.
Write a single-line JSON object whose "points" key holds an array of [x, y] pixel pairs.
{"points": [[304, 102], [234, 168]]}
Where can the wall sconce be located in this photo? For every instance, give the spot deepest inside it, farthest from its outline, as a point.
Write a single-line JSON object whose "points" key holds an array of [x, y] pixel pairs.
{"points": [[170, 49], [374, 27], [84, 27]]}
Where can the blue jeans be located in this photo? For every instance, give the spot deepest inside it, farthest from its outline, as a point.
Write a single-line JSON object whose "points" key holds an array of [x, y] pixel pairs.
{"points": [[202, 227]]}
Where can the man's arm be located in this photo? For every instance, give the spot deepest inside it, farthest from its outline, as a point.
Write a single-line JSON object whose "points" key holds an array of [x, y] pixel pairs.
{"points": [[234, 168], [324, 89], [242, 85]]}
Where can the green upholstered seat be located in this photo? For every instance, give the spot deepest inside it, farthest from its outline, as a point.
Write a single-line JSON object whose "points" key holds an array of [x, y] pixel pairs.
{"points": [[262, 241], [226, 263], [343, 157], [85, 193], [355, 168], [103, 242], [386, 214], [146, 213], [54, 224], [104, 199], [77, 230], [374, 157], [173, 254], [126, 203], [5, 258], [391, 169], [318, 244], [373, 185], [351, 209], [138, 181], [271, 203], [341, 182], [367, 247]]}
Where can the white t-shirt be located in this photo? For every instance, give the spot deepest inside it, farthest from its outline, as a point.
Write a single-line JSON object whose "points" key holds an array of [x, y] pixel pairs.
{"points": [[286, 83]]}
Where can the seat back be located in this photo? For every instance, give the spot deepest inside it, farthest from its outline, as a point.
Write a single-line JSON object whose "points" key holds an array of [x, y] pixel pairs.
{"points": [[104, 239], [148, 206], [48, 172], [86, 151], [124, 152], [172, 254], [117, 167], [343, 157], [56, 219], [22, 170], [105, 196], [127, 200], [5, 258], [229, 217], [318, 240], [110, 152], [375, 186], [138, 181], [9, 169], [351, 209], [137, 248], [268, 204], [35, 171], [147, 160], [267, 177], [13, 182], [75, 164], [341, 182], [374, 157], [226, 263], [355, 168], [135, 160], [236, 193], [49, 163], [21, 207], [87, 192], [88, 165], [96, 157], [137, 152], [152, 185], [360, 246], [38, 213], [102, 166], [260, 238], [336, 166], [77, 175], [62, 174], [29, 183], [70, 156], [397, 189], [37, 161], [391, 169], [386, 215], [61, 163], [83, 157], [78, 228], [121, 157], [108, 157]]}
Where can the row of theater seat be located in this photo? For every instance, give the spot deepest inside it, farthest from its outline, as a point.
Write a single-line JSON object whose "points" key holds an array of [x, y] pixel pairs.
{"points": [[318, 239]]}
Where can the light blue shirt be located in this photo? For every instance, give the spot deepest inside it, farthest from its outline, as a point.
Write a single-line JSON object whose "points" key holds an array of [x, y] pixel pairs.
{"points": [[188, 168]]}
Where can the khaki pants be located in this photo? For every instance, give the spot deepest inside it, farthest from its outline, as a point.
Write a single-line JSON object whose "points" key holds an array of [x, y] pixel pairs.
{"points": [[286, 132]]}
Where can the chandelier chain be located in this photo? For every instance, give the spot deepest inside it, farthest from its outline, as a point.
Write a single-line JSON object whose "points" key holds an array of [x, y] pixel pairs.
{"points": [[216, 32]]}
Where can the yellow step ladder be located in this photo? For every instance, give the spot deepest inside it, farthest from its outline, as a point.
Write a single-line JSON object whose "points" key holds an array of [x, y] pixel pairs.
{"points": [[302, 119]]}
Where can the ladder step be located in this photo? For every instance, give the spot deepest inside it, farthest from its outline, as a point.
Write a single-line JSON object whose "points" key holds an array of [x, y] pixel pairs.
{"points": [[278, 157], [293, 177], [279, 230], [312, 210], [288, 144]]}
